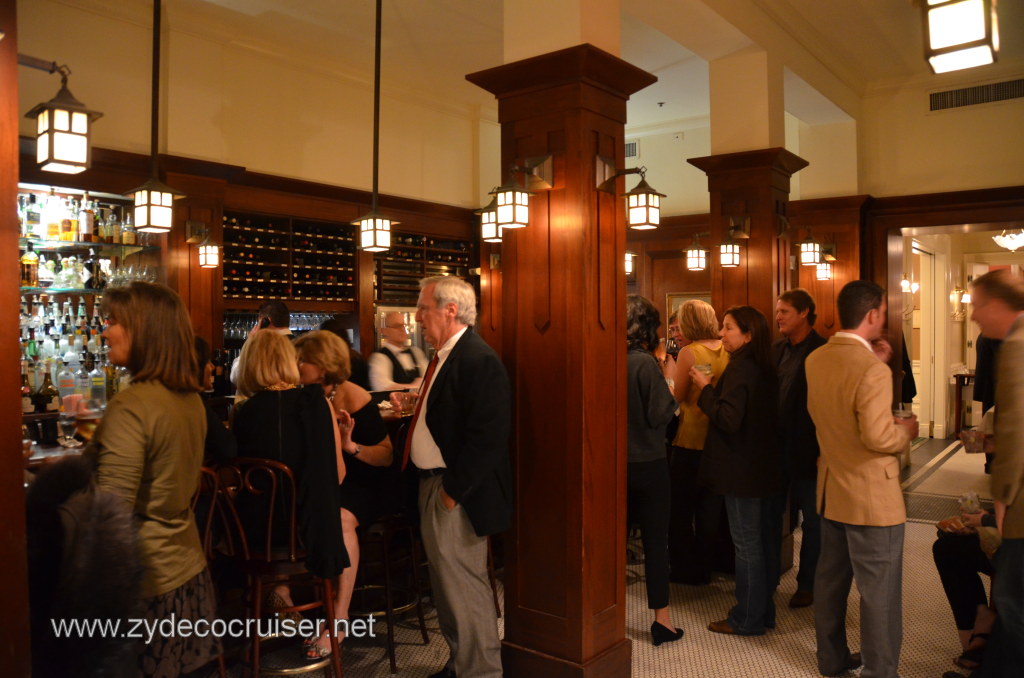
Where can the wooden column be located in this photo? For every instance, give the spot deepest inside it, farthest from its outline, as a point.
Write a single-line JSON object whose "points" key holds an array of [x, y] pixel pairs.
{"points": [[563, 332], [750, 185], [15, 649]]}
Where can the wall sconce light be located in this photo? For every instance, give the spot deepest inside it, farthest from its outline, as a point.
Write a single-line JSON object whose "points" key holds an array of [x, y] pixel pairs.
{"points": [[512, 202], [958, 300], [629, 262], [63, 124], [908, 287], [154, 199], [696, 255], [823, 270], [197, 233], [810, 251], [643, 203], [489, 230], [960, 34], [729, 250]]}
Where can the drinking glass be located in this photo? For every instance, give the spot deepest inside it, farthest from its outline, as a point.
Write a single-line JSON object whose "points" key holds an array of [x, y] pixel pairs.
{"points": [[68, 424]]}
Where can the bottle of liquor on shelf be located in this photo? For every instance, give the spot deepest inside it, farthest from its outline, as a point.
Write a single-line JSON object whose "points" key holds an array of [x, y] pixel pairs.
{"points": [[48, 396], [29, 267], [98, 384], [129, 236], [83, 382], [65, 380], [86, 220], [114, 226], [69, 221], [27, 404]]}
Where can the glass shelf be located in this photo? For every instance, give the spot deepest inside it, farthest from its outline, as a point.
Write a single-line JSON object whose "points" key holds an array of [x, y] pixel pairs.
{"points": [[59, 290], [100, 247]]}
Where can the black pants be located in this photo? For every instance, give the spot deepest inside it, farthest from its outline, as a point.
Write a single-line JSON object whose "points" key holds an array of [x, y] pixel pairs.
{"points": [[648, 496], [959, 559], [693, 529]]}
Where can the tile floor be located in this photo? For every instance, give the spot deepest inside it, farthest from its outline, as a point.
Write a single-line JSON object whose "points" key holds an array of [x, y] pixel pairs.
{"points": [[929, 640]]}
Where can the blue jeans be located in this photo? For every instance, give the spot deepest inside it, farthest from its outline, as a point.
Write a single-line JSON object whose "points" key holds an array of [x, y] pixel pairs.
{"points": [[1004, 654], [756, 528], [804, 495]]}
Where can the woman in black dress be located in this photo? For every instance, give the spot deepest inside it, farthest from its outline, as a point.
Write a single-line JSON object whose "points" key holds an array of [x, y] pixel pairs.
{"points": [[324, 361], [294, 425]]}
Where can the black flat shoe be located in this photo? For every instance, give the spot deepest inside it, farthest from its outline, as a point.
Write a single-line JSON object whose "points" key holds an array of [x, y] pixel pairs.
{"points": [[663, 634]]}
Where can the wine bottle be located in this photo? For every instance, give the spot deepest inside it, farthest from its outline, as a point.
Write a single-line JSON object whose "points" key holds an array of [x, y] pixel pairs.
{"points": [[27, 404]]}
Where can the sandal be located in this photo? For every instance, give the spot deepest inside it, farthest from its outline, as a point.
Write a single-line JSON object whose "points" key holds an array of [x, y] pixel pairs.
{"points": [[971, 658], [313, 652]]}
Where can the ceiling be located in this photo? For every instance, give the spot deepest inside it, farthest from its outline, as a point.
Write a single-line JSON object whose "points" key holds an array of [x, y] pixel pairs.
{"points": [[429, 47]]}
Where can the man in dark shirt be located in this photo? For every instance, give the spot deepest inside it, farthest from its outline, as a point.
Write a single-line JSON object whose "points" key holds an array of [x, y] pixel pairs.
{"points": [[795, 316]]}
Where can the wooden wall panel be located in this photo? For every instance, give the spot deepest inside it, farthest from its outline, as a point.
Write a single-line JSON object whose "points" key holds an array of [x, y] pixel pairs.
{"points": [[14, 651]]}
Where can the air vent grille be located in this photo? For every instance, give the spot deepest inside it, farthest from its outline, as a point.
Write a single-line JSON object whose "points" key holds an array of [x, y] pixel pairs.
{"points": [[980, 94], [632, 149]]}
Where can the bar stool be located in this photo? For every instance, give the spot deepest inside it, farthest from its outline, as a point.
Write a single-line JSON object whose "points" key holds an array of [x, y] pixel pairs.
{"points": [[271, 487], [385, 545], [205, 500]]}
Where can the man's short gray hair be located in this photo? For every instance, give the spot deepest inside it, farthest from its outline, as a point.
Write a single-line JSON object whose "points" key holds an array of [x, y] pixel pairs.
{"points": [[449, 289]]}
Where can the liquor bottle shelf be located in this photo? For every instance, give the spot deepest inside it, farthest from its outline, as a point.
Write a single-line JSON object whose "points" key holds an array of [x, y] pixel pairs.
{"points": [[101, 247], [59, 290]]}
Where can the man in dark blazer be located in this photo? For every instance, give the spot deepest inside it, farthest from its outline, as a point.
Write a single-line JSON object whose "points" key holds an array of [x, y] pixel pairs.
{"points": [[458, 439], [795, 315]]}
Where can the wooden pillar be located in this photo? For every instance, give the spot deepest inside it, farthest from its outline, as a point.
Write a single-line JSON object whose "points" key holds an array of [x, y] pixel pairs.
{"points": [[14, 650], [754, 186], [563, 331]]}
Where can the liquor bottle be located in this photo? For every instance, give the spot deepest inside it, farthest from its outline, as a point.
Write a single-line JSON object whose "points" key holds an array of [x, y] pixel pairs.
{"points": [[68, 221], [52, 214], [98, 383], [83, 382], [113, 226], [124, 378], [86, 220], [129, 236], [48, 397], [29, 267], [65, 380], [27, 405], [32, 221]]}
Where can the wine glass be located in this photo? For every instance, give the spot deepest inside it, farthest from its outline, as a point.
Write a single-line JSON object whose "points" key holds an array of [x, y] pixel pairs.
{"points": [[68, 425]]}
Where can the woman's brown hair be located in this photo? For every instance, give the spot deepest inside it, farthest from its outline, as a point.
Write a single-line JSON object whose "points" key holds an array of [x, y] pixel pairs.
{"points": [[158, 327], [328, 352]]}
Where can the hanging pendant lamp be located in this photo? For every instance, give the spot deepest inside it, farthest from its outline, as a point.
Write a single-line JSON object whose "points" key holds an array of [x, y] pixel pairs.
{"points": [[374, 227], [154, 200]]}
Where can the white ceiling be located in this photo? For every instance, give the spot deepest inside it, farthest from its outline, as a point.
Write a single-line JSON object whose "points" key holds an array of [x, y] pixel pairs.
{"points": [[429, 47]]}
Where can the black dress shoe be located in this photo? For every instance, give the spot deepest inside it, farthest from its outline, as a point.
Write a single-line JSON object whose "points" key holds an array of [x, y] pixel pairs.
{"points": [[852, 663], [663, 634], [444, 673]]}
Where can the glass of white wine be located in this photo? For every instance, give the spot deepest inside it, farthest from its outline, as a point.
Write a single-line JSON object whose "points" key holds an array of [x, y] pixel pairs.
{"points": [[68, 425]]}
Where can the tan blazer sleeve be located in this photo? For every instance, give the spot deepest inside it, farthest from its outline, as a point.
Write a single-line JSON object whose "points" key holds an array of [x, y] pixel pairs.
{"points": [[1008, 464], [878, 432]]}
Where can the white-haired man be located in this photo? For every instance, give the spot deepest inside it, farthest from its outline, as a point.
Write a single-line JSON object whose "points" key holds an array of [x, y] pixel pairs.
{"points": [[458, 439]]}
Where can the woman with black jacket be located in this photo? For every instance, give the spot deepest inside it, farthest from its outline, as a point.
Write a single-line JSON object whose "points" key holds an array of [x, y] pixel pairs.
{"points": [[649, 408], [742, 461]]}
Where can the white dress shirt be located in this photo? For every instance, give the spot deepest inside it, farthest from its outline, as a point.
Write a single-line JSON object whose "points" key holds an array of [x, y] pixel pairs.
{"points": [[851, 335], [382, 372], [424, 452]]}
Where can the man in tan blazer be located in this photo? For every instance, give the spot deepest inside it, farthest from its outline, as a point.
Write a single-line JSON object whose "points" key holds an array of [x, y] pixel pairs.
{"points": [[998, 301], [849, 397]]}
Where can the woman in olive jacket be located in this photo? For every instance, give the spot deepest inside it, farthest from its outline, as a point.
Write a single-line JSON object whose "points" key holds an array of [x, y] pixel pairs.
{"points": [[743, 462]]}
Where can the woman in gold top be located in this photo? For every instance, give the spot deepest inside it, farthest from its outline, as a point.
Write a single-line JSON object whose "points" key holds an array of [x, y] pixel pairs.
{"points": [[149, 449], [695, 509]]}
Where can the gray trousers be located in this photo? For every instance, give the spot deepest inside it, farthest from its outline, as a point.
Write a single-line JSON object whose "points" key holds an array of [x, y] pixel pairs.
{"points": [[462, 591], [874, 557]]}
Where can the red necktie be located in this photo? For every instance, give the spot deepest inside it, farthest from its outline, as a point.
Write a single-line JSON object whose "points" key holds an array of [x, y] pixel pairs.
{"points": [[416, 413]]}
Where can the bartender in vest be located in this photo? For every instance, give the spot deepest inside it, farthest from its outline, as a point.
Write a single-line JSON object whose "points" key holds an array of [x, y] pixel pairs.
{"points": [[396, 365]]}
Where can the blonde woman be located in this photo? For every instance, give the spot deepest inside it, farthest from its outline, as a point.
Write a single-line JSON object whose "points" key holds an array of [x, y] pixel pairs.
{"points": [[695, 509], [287, 423], [363, 497], [149, 448]]}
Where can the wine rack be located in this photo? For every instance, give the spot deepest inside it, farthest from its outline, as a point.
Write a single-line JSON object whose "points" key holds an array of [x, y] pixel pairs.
{"points": [[268, 257], [412, 257]]}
